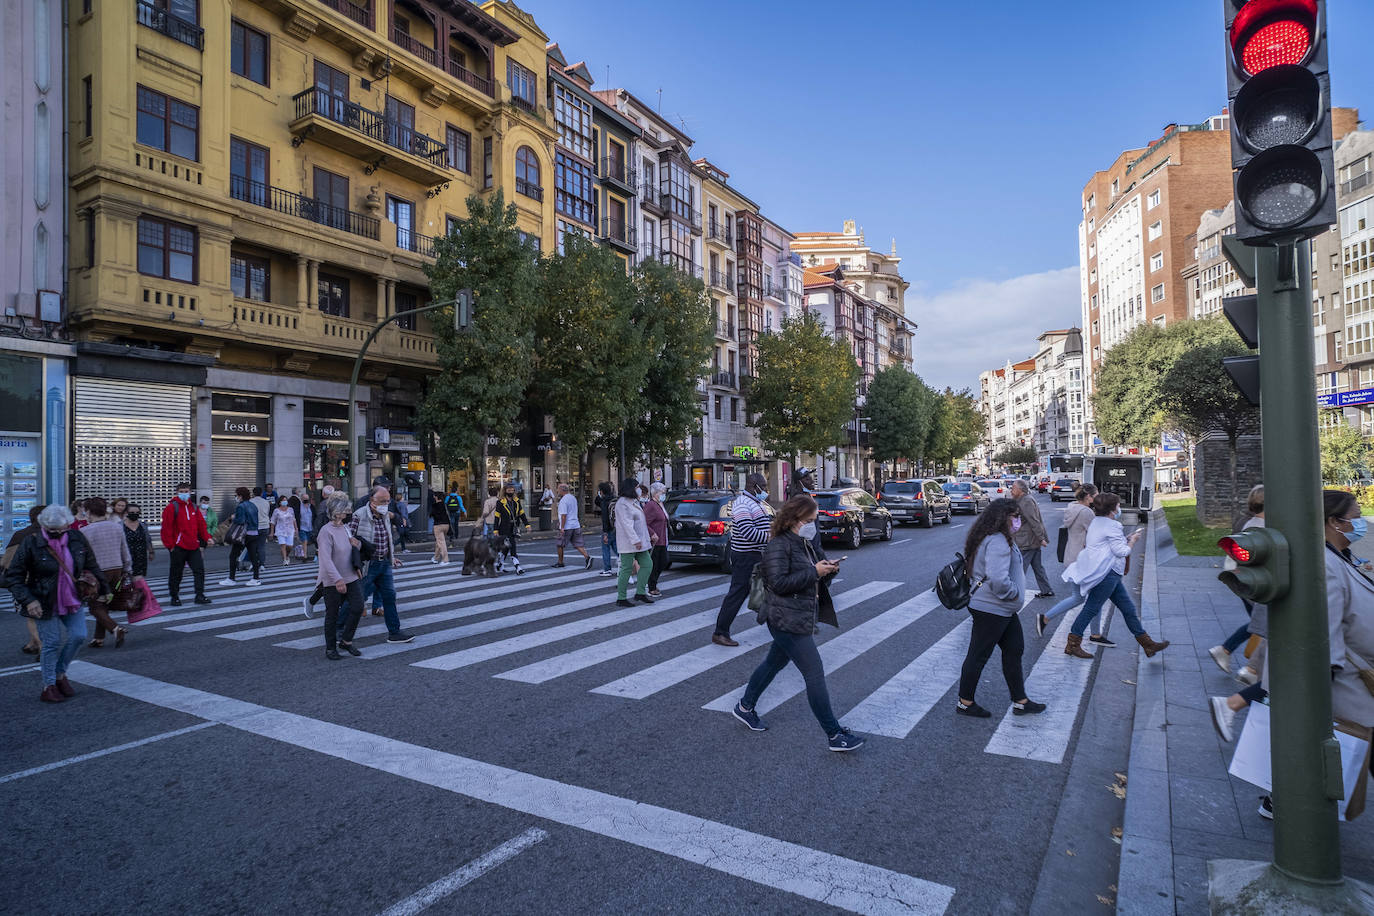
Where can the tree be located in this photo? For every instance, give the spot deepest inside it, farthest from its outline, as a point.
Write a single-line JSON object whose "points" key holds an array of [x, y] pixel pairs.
{"points": [[1017, 455], [484, 371], [957, 427], [1125, 399], [1345, 453], [805, 390], [900, 410]]}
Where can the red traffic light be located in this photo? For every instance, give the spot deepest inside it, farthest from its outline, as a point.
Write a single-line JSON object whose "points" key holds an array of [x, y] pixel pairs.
{"points": [[1272, 33], [1232, 549]]}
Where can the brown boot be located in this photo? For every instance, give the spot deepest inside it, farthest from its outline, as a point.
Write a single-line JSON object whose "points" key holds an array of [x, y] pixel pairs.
{"points": [[1074, 646], [1150, 646]]}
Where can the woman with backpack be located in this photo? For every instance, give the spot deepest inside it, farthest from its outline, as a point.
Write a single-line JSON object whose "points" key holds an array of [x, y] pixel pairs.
{"points": [[999, 582]]}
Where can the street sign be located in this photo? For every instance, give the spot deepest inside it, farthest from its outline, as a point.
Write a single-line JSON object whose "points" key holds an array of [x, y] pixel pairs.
{"points": [[1347, 398]]}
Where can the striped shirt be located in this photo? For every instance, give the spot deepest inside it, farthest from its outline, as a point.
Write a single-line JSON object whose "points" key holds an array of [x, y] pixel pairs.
{"points": [[748, 523]]}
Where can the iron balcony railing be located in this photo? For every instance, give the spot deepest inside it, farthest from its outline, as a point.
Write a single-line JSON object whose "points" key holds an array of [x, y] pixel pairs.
{"points": [[721, 280], [614, 169], [293, 204], [721, 232], [372, 124], [529, 189], [410, 240], [414, 46], [159, 20], [464, 75], [1354, 184], [725, 328], [777, 291], [361, 14], [724, 379], [616, 230], [519, 101]]}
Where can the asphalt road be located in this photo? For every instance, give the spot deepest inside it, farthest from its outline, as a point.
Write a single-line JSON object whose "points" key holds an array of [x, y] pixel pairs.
{"points": [[539, 750]]}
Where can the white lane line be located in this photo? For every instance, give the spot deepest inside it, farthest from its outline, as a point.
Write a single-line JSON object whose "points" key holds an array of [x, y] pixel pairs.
{"points": [[789, 867], [22, 669], [81, 758], [1059, 681], [895, 708], [835, 653], [465, 657], [666, 674], [426, 897]]}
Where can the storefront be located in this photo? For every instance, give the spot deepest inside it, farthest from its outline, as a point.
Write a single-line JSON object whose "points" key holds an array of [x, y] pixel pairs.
{"points": [[240, 428], [325, 439], [33, 438]]}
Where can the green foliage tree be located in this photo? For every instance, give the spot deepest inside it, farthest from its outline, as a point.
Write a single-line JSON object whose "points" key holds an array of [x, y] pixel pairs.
{"points": [[1125, 398], [484, 371], [957, 427], [805, 389], [900, 409], [1345, 453], [1017, 456]]}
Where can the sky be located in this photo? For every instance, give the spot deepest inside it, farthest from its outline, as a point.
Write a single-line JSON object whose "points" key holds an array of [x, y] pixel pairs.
{"points": [[966, 131]]}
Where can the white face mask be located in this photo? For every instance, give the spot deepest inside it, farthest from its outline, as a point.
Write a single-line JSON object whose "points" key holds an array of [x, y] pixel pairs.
{"points": [[808, 531]]}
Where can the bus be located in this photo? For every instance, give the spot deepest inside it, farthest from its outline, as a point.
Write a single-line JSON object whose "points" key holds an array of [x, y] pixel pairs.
{"points": [[1065, 465]]}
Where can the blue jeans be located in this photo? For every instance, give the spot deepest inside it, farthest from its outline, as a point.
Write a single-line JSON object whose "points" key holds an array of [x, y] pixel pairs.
{"points": [[742, 563], [379, 578], [1075, 596], [57, 655], [608, 552], [1114, 589], [800, 651]]}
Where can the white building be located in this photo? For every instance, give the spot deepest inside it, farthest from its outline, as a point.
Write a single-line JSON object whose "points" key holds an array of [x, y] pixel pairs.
{"points": [[1038, 402]]}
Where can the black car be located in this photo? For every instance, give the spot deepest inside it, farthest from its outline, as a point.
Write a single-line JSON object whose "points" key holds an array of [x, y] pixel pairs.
{"points": [[1063, 488], [921, 501], [699, 527], [851, 516], [966, 497]]}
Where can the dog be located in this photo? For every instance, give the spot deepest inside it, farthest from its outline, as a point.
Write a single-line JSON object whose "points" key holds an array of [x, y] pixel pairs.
{"points": [[480, 555]]}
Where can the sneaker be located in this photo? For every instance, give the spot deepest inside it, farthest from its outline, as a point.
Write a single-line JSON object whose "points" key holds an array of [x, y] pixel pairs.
{"points": [[434, 560], [749, 718], [1044, 594], [175, 601], [228, 582], [624, 602], [307, 608], [605, 573], [1221, 657], [644, 599], [201, 599], [634, 580], [845, 740], [1247, 676], [255, 582], [1041, 621], [588, 564], [1223, 717], [1028, 708], [559, 565], [655, 593], [1098, 639], [400, 636], [1266, 808], [972, 709]]}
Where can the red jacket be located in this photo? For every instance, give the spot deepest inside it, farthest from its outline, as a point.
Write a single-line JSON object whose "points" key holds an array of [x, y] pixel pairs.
{"points": [[183, 526]]}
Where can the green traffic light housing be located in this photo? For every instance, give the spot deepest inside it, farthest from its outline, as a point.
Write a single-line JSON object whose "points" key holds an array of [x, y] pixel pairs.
{"points": [[1261, 556]]}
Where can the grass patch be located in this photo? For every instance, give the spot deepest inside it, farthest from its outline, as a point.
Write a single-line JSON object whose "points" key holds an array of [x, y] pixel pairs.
{"points": [[1191, 537]]}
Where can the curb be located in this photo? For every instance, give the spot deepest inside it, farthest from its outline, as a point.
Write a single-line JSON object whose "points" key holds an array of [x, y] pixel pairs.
{"points": [[1145, 881]]}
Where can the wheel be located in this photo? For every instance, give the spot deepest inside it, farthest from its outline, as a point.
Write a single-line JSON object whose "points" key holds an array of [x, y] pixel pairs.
{"points": [[887, 531], [949, 517], [929, 520], [856, 538]]}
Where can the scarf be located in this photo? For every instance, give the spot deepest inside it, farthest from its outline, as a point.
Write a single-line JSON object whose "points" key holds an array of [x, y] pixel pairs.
{"points": [[67, 602]]}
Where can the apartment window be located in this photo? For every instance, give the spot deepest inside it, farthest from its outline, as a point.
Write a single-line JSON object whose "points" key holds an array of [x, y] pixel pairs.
{"points": [[332, 295], [459, 149], [522, 85], [1091, 223], [248, 178], [1094, 328], [647, 171], [530, 239], [166, 249], [1116, 186], [332, 192], [90, 238], [573, 192], [1157, 293], [250, 277], [451, 225], [486, 162], [734, 410], [168, 124], [1153, 200], [86, 104], [527, 173], [1157, 261], [1094, 300], [719, 401], [573, 115], [1156, 230], [248, 52], [405, 308]]}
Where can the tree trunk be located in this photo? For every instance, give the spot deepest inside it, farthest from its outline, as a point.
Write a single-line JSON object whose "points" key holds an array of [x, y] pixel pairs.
{"points": [[482, 474]]}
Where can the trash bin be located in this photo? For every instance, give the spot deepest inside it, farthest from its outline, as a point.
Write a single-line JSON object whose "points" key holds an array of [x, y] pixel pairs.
{"points": [[545, 519]]}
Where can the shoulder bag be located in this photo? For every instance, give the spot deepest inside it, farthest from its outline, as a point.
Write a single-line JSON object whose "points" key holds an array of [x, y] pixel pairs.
{"points": [[87, 585]]}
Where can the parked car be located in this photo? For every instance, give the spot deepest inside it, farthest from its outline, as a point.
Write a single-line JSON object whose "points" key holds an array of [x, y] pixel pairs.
{"points": [[966, 497], [922, 501], [1063, 488], [995, 488], [851, 516], [699, 527]]}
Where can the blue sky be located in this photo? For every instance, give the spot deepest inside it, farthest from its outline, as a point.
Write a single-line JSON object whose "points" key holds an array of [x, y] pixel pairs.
{"points": [[964, 130]]}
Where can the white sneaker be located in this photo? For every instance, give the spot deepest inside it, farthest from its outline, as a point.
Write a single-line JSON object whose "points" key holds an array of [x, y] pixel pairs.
{"points": [[307, 608], [606, 572], [1223, 717], [1247, 676], [434, 560], [1221, 657], [634, 579], [255, 582], [228, 582]]}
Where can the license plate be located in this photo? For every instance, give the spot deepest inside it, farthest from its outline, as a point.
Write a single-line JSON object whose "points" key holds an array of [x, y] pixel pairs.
{"points": [[679, 548]]}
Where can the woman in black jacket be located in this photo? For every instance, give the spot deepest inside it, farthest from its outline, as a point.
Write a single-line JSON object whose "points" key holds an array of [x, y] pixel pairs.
{"points": [[796, 578]]}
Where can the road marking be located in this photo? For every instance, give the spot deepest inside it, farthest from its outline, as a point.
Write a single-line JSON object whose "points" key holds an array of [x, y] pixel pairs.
{"points": [[835, 653], [472, 656], [790, 867], [22, 669], [1059, 681], [428, 896], [81, 758], [674, 671]]}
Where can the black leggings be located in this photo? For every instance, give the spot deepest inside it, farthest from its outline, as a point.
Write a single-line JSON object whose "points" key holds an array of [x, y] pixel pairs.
{"points": [[989, 631], [249, 548]]}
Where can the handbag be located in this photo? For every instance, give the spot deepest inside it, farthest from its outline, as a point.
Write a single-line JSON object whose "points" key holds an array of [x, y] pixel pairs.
{"points": [[149, 606], [126, 597], [87, 585], [1362, 670], [298, 552], [1063, 544], [238, 534], [758, 588]]}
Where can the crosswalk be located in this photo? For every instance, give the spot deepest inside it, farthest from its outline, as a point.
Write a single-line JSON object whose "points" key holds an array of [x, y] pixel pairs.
{"points": [[561, 626]]}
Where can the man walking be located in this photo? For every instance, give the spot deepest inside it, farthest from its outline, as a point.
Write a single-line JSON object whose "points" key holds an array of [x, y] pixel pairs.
{"points": [[372, 524], [454, 504], [264, 507], [184, 535], [748, 535], [1031, 536], [569, 528], [605, 506]]}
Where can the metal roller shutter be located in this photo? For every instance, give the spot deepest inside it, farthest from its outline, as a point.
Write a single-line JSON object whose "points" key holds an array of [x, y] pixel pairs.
{"points": [[234, 463]]}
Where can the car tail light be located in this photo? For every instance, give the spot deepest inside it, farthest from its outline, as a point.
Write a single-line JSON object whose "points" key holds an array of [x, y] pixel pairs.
{"points": [[716, 527], [832, 514]]}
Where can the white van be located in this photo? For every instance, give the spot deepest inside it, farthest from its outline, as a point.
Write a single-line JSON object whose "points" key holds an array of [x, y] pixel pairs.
{"points": [[1131, 477]]}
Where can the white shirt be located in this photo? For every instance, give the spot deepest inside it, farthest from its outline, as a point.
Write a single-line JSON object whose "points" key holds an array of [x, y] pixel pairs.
{"points": [[264, 512], [568, 506]]}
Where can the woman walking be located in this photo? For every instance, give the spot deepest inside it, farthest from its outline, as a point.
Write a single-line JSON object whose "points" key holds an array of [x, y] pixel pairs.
{"points": [[245, 514], [284, 529], [340, 581], [633, 543], [1100, 568], [305, 518], [1350, 613], [1077, 517], [43, 580], [796, 576], [657, 518], [1221, 654], [111, 549], [137, 537], [605, 507], [438, 515], [995, 567]]}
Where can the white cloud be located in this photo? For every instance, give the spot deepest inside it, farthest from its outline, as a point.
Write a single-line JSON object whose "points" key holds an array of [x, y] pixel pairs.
{"points": [[981, 324]]}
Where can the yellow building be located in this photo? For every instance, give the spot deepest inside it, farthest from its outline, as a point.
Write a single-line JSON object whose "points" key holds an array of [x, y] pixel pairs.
{"points": [[254, 185]]}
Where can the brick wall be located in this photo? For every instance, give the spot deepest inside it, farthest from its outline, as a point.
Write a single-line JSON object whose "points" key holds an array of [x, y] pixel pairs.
{"points": [[1217, 503]]}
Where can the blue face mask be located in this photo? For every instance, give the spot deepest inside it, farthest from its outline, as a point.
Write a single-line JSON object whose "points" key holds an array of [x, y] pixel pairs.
{"points": [[1358, 527], [183, 496]]}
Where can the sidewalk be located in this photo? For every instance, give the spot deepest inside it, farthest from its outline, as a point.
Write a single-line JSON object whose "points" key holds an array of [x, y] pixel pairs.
{"points": [[1182, 807]]}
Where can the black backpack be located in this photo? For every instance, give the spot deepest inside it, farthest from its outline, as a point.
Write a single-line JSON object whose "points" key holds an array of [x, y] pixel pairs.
{"points": [[953, 586]]}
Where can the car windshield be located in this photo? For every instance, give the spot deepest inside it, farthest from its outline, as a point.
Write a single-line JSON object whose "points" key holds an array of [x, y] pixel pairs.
{"points": [[1066, 482], [826, 500], [901, 486], [693, 508], [958, 488]]}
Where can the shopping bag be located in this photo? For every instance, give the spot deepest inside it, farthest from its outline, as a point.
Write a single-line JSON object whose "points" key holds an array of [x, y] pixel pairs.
{"points": [[298, 552], [1251, 762], [1355, 751], [150, 606]]}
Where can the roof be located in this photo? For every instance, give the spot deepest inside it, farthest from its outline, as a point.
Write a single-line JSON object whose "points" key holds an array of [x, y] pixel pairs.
{"points": [[1024, 365], [813, 278]]}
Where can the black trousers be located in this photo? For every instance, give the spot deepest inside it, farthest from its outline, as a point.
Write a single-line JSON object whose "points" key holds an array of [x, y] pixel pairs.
{"points": [[742, 563], [994, 631], [659, 556], [334, 627], [180, 557]]}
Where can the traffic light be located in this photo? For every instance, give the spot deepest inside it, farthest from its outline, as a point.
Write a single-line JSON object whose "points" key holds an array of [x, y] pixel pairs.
{"points": [[462, 310], [1280, 107], [1261, 573], [1243, 313]]}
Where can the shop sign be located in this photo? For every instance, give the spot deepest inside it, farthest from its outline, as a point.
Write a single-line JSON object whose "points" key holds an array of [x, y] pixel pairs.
{"points": [[403, 442], [745, 451], [325, 431], [495, 441], [239, 426], [415, 466], [382, 436]]}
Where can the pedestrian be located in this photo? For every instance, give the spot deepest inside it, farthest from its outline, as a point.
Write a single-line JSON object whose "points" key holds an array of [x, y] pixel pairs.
{"points": [[119, 508], [264, 508], [43, 579], [1077, 517], [1225, 709], [570, 527], [185, 536], [211, 517], [371, 525], [1099, 569], [305, 519], [1350, 612], [748, 535], [657, 517], [338, 579], [139, 540], [111, 549], [400, 512], [438, 516], [998, 572], [605, 507], [797, 599], [245, 514], [488, 517], [34, 645], [284, 529], [1221, 654], [79, 514], [1031, 536], [269, 493], [454, 504], [632, 543], [510, 522]]}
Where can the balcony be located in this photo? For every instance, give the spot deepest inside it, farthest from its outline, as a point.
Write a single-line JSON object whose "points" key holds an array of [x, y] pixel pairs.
{"points": [[188, 33], [614, 172], [529, 189], [678, 209], [721, 280], [778, 291], [370, 136], [409, 43], [410, 240], [725, 329], [293, 204], [724, 380], [657, 204], [463, 75], [359, 14], [720, 232], [615, 232], [1354, 184]]}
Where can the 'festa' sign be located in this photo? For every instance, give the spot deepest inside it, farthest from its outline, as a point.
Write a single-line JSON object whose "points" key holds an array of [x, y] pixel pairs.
{"points": [[238, 426]]}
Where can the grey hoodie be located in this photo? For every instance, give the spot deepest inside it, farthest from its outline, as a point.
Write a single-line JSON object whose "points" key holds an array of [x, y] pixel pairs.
{"points": [[1000, 564]]}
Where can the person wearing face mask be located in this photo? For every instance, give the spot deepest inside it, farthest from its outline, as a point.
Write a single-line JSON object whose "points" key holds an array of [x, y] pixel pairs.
{"points": [[184, 535], [1349, 610], [1099, 569], [632, 543], [211, 517], [510, 522], [998, 573], [749, 525], [657, 518], [139, 540], [371, 524], [284, 528], [245, 514], [42, 578]]}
